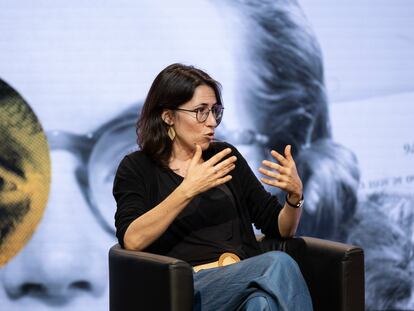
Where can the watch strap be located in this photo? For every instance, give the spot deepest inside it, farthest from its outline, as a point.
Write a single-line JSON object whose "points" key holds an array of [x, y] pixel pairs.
{"points": [[297, 205]]}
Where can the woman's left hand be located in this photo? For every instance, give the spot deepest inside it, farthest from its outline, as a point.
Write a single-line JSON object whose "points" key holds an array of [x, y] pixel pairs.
{"points": [[283, 175]]}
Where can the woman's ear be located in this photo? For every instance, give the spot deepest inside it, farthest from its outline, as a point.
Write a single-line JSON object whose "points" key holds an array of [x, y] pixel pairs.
{"points": [[167, 117]]}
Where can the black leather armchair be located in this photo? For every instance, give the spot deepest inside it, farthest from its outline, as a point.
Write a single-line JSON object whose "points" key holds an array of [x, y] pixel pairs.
{"points": [[334, 273]]}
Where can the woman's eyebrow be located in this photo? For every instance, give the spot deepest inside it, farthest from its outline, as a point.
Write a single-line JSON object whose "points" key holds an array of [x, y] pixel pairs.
{"points": [[204, 105], [201, 105]]}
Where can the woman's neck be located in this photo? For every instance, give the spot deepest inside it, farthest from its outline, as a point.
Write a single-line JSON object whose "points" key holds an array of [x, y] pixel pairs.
{"points": [[180, 159], [181, 152]]}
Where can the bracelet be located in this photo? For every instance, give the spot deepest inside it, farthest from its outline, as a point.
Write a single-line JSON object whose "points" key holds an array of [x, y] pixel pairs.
{"points": [[297, 205]]}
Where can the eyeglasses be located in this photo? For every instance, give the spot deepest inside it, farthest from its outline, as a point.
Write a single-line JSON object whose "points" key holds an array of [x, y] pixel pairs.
{"points": [[202, 113], [99, 153]]}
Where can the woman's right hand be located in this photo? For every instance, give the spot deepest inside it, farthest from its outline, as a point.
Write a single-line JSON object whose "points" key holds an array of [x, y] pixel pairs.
{"points": [[203, 176]]}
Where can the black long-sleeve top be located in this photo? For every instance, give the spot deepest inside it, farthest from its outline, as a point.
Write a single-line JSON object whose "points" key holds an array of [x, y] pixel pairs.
{"points": [[214, 222]]}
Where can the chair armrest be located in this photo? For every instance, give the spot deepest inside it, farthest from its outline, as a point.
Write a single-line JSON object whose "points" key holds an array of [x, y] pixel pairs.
{"points": [[144, 281], [334, 273]]}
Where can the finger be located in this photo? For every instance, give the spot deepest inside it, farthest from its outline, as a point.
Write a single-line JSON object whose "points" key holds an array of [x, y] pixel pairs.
{"points": [[223, 180], [225, 163], [274, 166], [274, 175], [268, 173], [217, 157], [274, 183], [288, 153], [282, 160], [225, 170], [197, 155], [284, 178]]}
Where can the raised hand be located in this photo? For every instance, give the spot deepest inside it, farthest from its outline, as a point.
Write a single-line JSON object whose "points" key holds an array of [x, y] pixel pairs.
{"points": [[202, 176], [283, 174]]}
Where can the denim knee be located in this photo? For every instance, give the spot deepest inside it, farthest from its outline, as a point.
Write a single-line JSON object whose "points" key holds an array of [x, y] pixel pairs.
{"points": [[259, 301]]}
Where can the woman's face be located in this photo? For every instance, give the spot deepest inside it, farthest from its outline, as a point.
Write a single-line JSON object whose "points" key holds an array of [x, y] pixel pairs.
{"points": [[79, 67], [189, 131]]}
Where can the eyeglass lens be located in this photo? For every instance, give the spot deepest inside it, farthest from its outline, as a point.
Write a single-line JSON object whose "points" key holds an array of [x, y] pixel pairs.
{"points": [[216, 110]]}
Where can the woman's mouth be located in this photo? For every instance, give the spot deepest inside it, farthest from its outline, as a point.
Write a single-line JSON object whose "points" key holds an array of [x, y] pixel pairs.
{"points": [[210, 136]]}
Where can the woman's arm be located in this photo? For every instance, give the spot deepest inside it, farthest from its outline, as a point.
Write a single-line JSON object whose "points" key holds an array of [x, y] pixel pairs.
{"points": [[145, 229], [285, 177], [200, 177], [289, 218]]}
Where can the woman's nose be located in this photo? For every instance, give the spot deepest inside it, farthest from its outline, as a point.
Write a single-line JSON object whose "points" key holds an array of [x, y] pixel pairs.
{"points": [[211, 120], [66, 257]]}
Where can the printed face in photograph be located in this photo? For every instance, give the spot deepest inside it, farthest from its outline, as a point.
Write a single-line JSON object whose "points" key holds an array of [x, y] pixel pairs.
{"points": [[85, 70], [24, 173]]}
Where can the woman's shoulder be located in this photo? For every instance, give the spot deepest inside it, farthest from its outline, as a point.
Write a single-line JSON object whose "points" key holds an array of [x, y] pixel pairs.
{"points": [[218, 146], [136, 161], [137, 155]]}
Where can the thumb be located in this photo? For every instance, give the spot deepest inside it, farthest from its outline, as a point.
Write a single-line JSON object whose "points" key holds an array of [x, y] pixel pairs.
{"points": [[197, 155]]}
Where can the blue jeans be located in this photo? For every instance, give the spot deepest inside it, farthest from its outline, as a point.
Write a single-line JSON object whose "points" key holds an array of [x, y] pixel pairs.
{"points": [[271, 281]]}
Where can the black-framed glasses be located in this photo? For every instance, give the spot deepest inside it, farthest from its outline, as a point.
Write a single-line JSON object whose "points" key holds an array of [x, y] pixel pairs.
{"points": [[202, 113]]}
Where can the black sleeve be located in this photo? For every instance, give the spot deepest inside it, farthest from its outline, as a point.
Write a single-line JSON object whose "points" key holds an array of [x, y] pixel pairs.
{"points": [[131, 195], [263, 207]]}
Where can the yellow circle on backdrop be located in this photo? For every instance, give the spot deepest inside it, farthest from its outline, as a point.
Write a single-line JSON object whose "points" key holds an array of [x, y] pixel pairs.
{"points": [[24, 172]]}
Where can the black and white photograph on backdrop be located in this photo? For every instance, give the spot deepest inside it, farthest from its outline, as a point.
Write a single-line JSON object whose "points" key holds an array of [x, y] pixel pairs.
{"points": [[334, 80]]}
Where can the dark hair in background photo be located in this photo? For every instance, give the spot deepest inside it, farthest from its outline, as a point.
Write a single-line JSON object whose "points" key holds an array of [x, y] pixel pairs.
{"points": [[286, 95]]}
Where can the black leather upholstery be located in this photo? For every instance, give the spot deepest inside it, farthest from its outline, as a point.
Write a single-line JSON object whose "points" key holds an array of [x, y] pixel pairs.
{"points": [[144, 281], [333, 271], [335, 275]]}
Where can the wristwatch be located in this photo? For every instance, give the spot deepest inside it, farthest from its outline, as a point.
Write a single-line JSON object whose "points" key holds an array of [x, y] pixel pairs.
{"points": [[297, 205]]}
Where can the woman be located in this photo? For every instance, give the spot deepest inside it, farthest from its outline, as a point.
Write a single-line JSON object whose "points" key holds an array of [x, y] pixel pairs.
{"points": [[185, 196]]}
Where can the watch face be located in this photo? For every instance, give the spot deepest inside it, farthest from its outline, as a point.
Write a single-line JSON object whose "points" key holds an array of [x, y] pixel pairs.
{"points": [[300, 203]]}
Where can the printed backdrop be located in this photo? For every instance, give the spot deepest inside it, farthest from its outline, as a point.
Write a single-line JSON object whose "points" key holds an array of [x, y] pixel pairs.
{"points": [[75, 74]]}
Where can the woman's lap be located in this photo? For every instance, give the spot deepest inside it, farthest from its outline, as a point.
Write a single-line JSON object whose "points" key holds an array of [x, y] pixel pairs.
{"points": [[275, 274]]}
